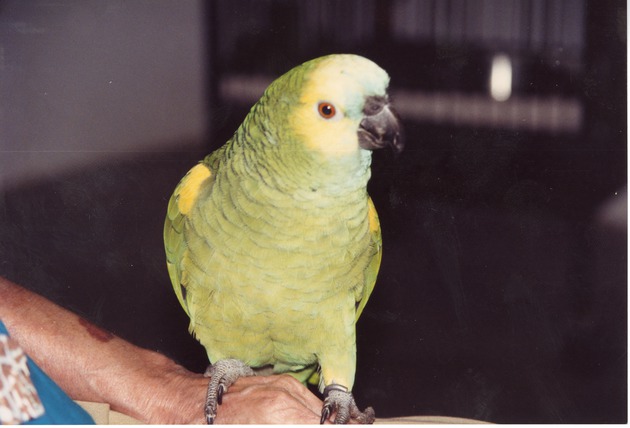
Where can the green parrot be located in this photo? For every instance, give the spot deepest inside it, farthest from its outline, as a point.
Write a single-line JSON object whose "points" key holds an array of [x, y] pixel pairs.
{"points": [[273, 244]]}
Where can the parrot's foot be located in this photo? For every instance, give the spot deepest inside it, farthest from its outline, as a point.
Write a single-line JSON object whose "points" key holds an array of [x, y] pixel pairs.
{"points": [[222, 375], [337, 397]]}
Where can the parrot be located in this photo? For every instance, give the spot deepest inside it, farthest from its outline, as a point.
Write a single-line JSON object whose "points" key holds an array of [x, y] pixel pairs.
{"points": [[272, 242]]}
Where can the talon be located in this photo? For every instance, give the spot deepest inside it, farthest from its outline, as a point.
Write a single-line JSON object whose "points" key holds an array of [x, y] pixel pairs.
{"points": [[222, 374], [209, 417], [325, 414], [220, 392], [367, 417], [337, 397]]}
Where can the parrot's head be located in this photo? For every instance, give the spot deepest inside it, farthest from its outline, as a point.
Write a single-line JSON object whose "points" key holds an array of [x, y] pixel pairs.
{"points": [[342, 106]]}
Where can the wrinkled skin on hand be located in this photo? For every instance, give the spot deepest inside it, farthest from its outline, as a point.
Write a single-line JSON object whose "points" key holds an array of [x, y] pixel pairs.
{"points": [[269, 400], [180, 397]]}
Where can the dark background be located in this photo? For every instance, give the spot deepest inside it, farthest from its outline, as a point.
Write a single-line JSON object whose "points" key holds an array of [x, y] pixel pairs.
{"points": [[502, 292]]}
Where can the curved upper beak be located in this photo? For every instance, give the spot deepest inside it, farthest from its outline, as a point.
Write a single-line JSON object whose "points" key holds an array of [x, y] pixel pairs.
{"points": [[380, 127]]}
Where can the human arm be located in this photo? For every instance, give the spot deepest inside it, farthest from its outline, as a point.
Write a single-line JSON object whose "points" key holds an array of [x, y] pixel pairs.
{"points": [[91, 364]]}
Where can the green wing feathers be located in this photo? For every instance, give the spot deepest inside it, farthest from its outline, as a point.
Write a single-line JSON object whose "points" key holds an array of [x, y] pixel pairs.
{"points": [[179, 207], [372, 269]]}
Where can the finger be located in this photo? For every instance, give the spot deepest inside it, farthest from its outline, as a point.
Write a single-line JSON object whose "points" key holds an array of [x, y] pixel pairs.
{"points": [[264, 404]]}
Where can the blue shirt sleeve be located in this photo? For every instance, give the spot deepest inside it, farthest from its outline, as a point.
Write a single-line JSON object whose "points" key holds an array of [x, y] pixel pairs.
{"points": [[59, 408]]}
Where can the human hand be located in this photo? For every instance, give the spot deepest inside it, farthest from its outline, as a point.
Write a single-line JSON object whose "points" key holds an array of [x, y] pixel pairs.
{"points": [[276, 399]]}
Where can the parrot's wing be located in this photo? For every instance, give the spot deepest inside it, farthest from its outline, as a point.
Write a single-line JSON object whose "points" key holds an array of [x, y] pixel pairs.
{"points": [[363, 293], [179, 207], [375, 263]]}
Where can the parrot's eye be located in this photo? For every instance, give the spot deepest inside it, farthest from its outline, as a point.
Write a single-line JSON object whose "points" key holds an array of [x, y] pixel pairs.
{"points": [[326, 110]]}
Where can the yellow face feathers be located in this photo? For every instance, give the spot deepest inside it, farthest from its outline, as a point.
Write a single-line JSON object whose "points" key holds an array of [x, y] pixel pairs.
{"points": [[330, 107]]}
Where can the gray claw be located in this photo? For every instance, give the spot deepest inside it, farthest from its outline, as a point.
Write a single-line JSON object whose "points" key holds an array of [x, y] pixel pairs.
{"points": [[325, 414], [337, 397], [222, 375], [220, 393]]}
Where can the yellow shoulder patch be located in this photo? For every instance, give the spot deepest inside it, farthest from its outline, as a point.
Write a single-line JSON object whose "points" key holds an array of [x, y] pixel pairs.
{"points": [[188, 188]]}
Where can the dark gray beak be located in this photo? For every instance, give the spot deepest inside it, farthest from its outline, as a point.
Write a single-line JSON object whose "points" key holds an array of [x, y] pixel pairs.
{"points": [[380, 127]]}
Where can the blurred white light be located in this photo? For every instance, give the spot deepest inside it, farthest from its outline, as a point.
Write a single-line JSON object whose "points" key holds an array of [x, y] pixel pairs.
{"points": [[501, 77]]}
